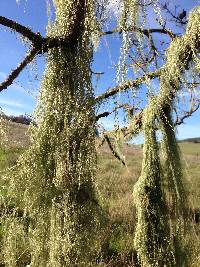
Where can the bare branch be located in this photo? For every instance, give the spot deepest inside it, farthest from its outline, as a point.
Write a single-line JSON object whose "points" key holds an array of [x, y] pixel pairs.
{"points": [[179, 18], [107, 113], [97, 72], [187, 114], [14, 74], [117, 156], [103, 115], [146, 32], [25, 31]]}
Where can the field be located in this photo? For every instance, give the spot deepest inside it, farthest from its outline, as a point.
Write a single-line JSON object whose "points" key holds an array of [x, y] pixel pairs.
{"points": [[115, 184]]}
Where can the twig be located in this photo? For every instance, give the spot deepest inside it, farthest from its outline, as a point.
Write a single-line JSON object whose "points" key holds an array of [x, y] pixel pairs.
{"points": [[188, 114], [146, 32], [107, 113], [117, 156]]}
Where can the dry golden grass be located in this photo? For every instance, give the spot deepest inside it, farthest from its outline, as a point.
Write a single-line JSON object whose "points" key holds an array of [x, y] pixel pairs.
{"points": [[115, 185], [16, 135]]}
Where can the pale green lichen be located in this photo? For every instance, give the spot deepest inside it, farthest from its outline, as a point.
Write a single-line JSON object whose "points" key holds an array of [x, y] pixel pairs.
{"points": [[173, 171], [129, 14], [53, 182], [152, 236], [127, 21], [159, 236]]}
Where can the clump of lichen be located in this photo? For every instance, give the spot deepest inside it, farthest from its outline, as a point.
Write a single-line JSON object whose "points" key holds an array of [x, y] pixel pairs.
{"points": [[152, 237], [53, 182], [126, 24], [128, 14], [159, 236], [173, 171]]}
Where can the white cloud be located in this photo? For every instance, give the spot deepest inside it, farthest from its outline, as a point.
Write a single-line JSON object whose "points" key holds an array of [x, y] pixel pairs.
{"points": [[13, 112], [11, 103], [2, 75]]}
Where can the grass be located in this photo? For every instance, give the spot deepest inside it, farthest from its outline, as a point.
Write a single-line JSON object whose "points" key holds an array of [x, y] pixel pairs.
{"points": [[189, 148], [115, 184]]}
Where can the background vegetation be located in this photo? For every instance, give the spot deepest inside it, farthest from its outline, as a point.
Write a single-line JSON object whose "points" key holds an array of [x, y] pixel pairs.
{"points": [[115, 183], [51, 212]]}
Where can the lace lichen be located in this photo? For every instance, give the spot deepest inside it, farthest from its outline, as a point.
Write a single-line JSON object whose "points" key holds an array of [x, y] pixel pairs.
{"points": [[127, 21], [53, 182], [157, 234], [152, 237], [56, 213]]}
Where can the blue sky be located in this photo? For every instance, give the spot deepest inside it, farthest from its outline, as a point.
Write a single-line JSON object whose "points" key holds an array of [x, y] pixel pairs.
{"points": [[20, 98]]}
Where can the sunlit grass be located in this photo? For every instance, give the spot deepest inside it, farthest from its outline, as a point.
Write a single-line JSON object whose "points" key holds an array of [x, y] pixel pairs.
{"points": [[189, 148], [115, 184]]}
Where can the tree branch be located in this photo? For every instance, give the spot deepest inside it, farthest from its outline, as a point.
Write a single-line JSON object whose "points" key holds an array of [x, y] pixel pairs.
{"points": [[107, 113], [14, 74], [175, 16], [163, 31], [114, 152], [188, 114], [183, 47], [40, 44], [25, 31], [128, 84], [146, 32]]}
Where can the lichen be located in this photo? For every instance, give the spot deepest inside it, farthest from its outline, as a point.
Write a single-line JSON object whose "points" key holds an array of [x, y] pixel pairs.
{"points": [[158, 235], [152, 236], [53, 181]]}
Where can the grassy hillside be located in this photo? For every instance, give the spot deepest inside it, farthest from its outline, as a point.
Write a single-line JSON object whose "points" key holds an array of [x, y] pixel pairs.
{"points": [[115, 184], [191, 140], [189, 148]]}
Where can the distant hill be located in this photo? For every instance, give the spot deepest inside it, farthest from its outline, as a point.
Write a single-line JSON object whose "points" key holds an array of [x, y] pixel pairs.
{"points": [[190, 140], [23, 119]]}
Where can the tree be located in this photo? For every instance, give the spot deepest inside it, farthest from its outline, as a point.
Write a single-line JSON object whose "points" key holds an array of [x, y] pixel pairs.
{"points": [[56, 173], [54, 179]]}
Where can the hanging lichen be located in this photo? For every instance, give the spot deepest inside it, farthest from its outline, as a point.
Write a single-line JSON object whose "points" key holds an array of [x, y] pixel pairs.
{"points": [[129, 14], [173, 170], [159, 236], [177, 199], [126, 24], [152, 237], [53, 181]]}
